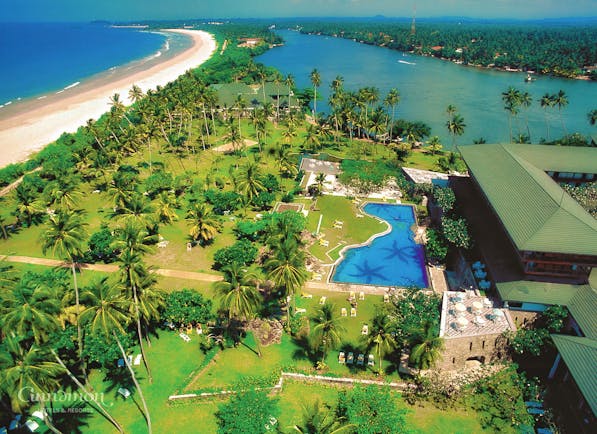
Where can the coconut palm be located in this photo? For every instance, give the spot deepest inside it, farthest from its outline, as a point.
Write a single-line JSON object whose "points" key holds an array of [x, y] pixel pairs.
{"points": [[427, 347], [204, 222], [525, 101], [320, 180], [434, 145], [166, 208], [327, 329], [455, 127], [286, 268], [316, 81], [381, 339], [238, 291], [30, 312], [561, 101], [319, 419], [28, 370], [3, 230], [248, 181], [135, 94], [592, 116], [108, 313], [64, 236], [546, 102], [312, 138], [392, 100], [28, 206], [512, 99], [136, 210]]}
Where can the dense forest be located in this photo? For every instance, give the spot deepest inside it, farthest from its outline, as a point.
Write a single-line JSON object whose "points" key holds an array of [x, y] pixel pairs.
{"points": [[555, 49]]}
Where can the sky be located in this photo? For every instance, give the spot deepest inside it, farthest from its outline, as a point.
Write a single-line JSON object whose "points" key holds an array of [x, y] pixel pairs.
{"points": [[127, 10]]}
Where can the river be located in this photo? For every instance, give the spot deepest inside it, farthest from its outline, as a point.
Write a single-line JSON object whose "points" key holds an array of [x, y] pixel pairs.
{"points": [[428, 85]]}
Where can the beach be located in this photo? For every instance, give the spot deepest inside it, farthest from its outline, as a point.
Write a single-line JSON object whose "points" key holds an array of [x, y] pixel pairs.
{"points": [[31, 125]]}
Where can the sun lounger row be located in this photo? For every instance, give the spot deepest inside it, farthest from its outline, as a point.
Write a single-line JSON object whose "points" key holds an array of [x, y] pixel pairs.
{"points": [[343, 359], [185, 337], [344, 312], [132, 361], [352, 296]]}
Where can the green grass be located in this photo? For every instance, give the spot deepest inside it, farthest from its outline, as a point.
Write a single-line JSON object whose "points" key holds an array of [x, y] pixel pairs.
{"points": [[354, 230]]}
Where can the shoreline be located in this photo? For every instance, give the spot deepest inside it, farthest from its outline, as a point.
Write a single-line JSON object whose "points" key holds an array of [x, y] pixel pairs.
{"points": [[31, 125], [446, 59]]}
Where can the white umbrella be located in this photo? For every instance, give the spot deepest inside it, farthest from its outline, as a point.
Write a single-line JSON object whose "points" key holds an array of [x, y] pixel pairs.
{"points": [[461, 322], [477, 305], [460, 307]]}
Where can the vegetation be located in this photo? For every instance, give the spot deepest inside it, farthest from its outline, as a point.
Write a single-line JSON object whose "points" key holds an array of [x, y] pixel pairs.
{"points": [[557, 50]]}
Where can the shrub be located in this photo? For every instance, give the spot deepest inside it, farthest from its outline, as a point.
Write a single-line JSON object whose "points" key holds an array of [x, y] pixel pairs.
{"points": [[242, 252], [187, 307]]}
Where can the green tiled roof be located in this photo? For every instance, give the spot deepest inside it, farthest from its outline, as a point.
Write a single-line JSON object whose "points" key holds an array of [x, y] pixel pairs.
{"points": [[583, 308], [526, 291], [536, 212], [580, 356]]}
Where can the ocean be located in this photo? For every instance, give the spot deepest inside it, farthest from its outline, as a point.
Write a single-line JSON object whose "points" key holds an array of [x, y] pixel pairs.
{"points": [[43, 58], [428, 85]]}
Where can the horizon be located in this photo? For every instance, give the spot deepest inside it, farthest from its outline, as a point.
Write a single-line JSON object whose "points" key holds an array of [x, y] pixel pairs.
{"points": [[155, 10]]}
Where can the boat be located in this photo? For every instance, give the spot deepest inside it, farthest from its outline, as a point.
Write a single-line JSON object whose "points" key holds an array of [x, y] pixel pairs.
{"points": [[528, 78]]}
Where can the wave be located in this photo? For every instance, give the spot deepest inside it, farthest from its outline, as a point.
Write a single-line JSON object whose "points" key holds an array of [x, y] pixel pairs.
{"points": [[8, 103], [72, 85], [60, 91], [42, 97], [167, 46], [407, 63]]}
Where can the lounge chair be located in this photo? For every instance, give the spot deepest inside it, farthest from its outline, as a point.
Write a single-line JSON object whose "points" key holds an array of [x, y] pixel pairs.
{"points": [[351, 297], [32, 425], [137, 360], [317, 276], [344, 312], [350, 359], [353, 312], [338, 222], [361, 359], [306, 295], [38, 414], [371, 361], [130, 359], [185, 337], [361, 296], [365, 329], [341, 358], [324, 243], [386, 298], [322, 299], [337, 226], [124, 392], [301, 310], [360, 216]]}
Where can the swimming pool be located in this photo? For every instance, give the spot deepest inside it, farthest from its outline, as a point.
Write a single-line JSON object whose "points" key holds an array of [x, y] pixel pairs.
{"points": [[393, 259]]}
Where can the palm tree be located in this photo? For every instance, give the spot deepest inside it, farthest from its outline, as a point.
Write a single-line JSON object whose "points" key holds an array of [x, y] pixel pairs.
{"points": [[312, 140], [28, 206], [392, 100], [248, 181], [546, 102], [326, 333], [28, 370], [512, 99], [3, 230], [316, 81], [525, 101], [427, 347], [381, 338], [287, 269], [136, 210], [434, 145], [107, 313], [30, 313], [592, 116], [135, 94], [64, 236], [204, 222], [166, 208], [318, 419], [238, 294], [320, 180], [455, 127], [561, 100]]}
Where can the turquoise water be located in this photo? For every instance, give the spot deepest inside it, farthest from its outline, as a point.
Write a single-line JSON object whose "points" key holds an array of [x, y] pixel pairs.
{"points": [[43, 57], [393, 259], [428, 85]]}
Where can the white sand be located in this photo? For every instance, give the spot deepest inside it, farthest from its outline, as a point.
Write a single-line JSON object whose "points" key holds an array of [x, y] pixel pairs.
{"points": [[31, 130]]}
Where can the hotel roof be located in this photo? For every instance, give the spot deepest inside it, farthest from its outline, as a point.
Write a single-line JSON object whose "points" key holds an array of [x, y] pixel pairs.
{"points": [[580, 356], [536, 212]]}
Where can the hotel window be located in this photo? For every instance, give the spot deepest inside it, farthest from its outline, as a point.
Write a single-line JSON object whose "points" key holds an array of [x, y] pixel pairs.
{"points": [[453, 360], [589, 176], [578, 176], [470, 347], [483, 344]]}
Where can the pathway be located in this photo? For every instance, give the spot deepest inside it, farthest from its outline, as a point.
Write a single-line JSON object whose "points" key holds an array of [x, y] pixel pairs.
{"points": [[14, 185], [110, 268]]}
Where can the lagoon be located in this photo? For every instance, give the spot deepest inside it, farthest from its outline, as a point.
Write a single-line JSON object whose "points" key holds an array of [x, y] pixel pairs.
{"points": [[428, 85]]}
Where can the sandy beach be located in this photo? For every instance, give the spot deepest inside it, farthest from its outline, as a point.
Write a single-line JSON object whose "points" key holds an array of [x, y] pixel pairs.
{"points": [[39, 122]]}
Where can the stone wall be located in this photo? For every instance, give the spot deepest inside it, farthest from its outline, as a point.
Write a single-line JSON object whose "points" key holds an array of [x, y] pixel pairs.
{"points": [[523, 318], [484, 348]]}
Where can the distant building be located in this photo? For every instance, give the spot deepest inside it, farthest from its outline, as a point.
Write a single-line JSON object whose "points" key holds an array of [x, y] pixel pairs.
{"points": [[250, 42]]}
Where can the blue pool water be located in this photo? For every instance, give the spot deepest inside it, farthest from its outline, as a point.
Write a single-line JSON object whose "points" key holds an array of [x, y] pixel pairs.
{"points": [[390, 260]]}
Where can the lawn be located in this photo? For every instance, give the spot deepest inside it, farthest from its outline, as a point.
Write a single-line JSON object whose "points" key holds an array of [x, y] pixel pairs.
{"points": [[354, 230]]}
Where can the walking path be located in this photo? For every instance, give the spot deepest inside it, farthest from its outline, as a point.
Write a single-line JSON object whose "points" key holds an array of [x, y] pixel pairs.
{"points": [[110, 268], [15, 184]]}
